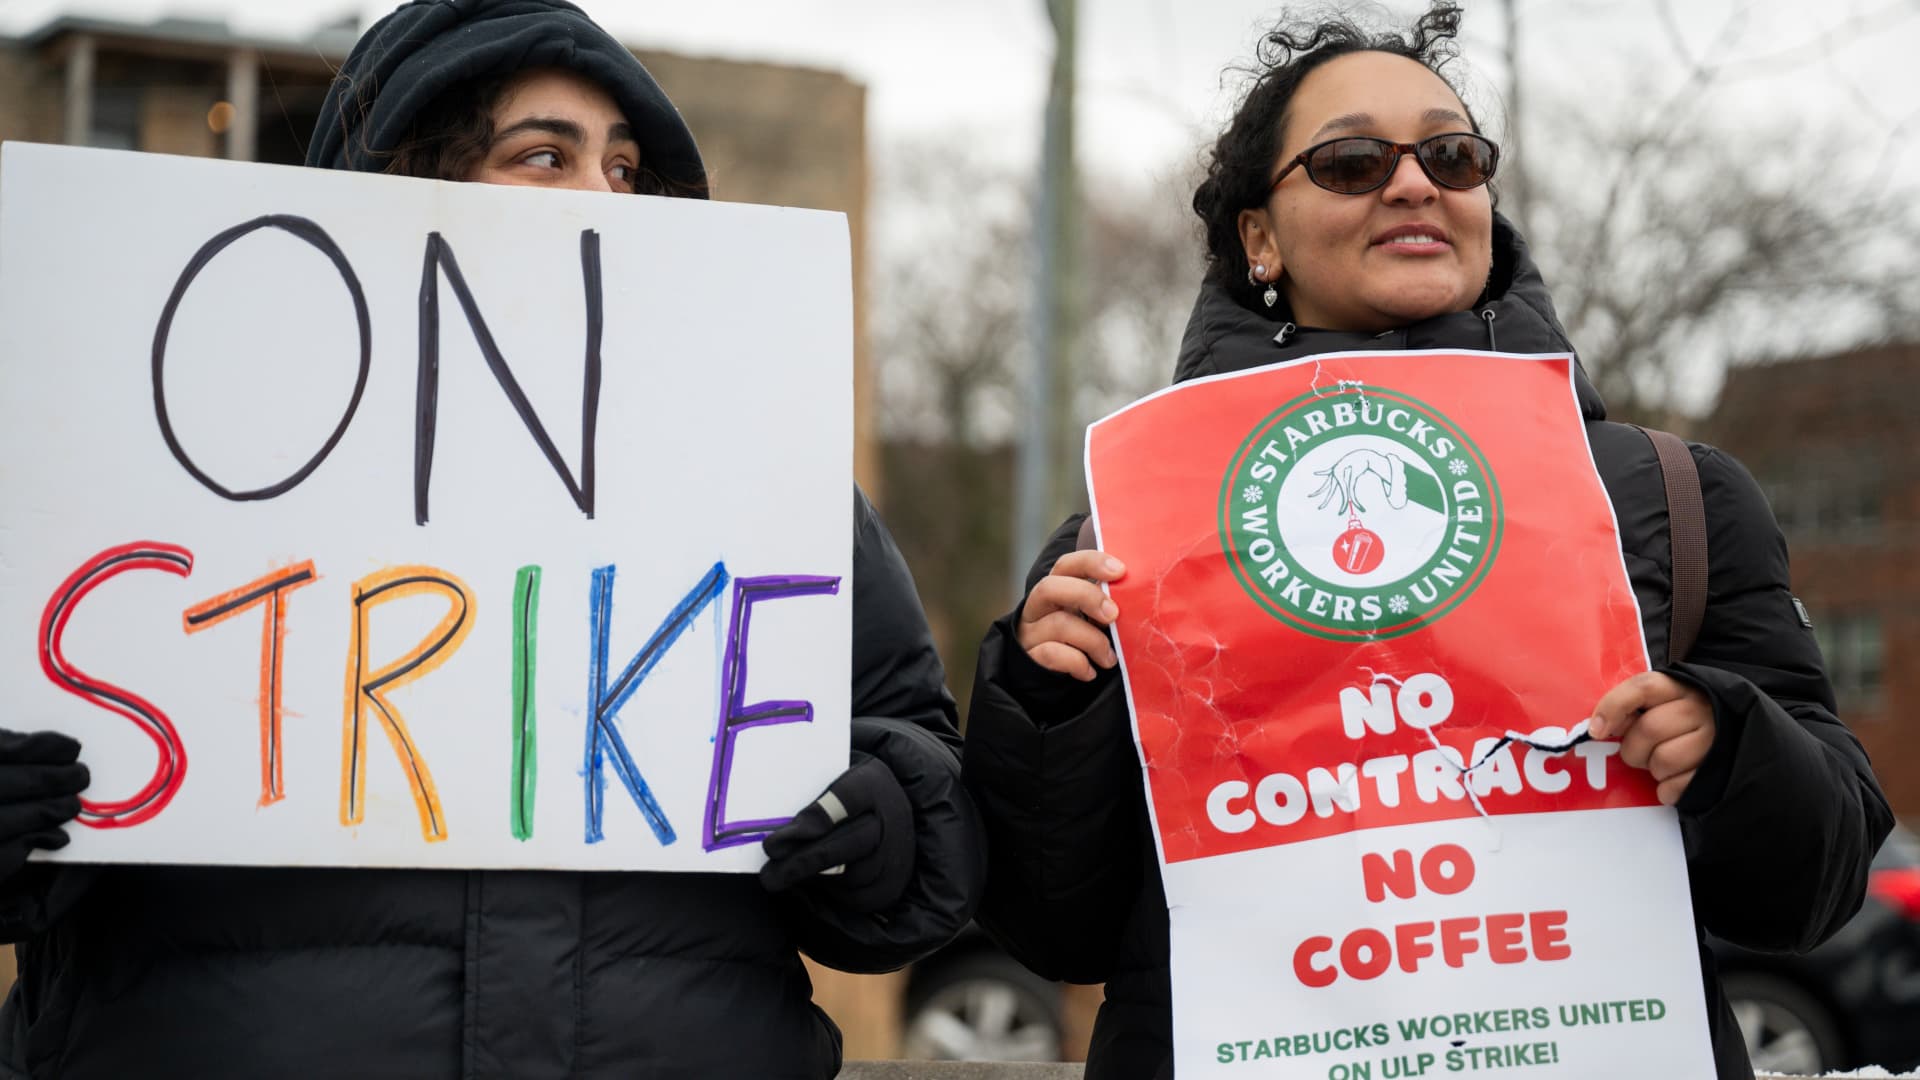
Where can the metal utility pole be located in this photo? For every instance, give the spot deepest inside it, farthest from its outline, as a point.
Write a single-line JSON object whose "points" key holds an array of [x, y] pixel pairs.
{"points": [[1037, 490], [1513, 173]]}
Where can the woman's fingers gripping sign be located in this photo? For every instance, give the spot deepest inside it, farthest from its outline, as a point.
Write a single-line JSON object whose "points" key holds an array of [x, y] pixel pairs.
{"points": [[1063, 622]]}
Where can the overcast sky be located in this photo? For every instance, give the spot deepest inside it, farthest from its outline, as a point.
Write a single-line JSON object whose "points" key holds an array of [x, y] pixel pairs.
{"points": [[1151, 85]]}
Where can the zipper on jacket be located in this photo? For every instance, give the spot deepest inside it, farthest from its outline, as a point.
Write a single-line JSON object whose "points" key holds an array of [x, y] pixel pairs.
{"points": [[1286, 331]]}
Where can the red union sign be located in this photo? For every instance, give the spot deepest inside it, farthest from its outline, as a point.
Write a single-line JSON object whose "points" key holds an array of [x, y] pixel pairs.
{"points": [[1370, 602], [1349, 579]]}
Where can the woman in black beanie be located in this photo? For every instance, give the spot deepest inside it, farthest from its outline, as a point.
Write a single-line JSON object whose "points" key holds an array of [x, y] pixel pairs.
{"points": [[251, 972]]}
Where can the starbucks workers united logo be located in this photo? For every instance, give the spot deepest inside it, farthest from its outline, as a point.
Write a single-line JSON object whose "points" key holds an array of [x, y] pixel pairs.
{"points": [[1358, 514]]}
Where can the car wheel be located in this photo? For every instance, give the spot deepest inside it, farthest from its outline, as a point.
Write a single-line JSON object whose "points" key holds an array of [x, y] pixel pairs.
{"points": [[981, 1008], [1786, 1029]]}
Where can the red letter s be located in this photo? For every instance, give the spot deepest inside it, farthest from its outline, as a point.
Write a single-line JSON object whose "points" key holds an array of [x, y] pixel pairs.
{"points": [[172, 766]]}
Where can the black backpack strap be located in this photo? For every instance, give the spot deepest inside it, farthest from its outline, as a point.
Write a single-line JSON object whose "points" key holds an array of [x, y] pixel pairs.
{"points": [[1686, 539]]}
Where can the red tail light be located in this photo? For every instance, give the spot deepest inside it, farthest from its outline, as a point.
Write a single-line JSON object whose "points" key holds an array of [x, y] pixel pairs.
{"points": [[1898, 889]]}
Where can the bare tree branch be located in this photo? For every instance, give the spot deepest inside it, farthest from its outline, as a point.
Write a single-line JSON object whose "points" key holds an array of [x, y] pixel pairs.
{"points": [[1858, 28], [1696, 256]]}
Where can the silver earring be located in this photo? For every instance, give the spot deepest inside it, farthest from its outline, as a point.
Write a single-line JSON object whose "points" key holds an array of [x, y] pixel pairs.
{"points": [[1259, 270], [1271, 296]]}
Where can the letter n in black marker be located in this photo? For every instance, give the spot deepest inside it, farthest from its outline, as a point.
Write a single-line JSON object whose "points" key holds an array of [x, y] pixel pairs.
{"points": [[439, 258]]}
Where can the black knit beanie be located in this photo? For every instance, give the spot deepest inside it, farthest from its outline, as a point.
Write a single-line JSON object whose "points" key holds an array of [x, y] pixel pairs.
{"points": [[406, 60]]}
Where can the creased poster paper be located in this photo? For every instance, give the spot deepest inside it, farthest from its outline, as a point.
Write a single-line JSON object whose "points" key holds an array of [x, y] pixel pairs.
{"points": [[1370, 601]]}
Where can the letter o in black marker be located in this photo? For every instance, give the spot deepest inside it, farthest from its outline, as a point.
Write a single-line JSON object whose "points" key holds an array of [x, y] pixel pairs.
{"points": [[313, 234]]}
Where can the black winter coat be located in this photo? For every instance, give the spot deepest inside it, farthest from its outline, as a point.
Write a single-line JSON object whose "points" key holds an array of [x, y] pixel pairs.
{"points": [[1779, 822], [164, 971]]}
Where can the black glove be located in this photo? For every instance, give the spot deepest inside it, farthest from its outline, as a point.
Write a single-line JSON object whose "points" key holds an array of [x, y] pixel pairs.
{"points": [[852, 847], [40, 784]]}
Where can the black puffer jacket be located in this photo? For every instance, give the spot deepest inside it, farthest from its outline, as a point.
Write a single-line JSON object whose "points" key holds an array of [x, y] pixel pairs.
{"points": [[1779, 822], [151, 971]]}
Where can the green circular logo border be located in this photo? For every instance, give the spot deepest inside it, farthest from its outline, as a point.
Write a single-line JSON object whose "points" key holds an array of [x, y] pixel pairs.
{"points": [[1496, 524]]}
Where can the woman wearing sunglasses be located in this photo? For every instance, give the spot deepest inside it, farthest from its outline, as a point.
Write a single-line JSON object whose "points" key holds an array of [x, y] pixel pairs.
{"points": [[185, 971], [1347, 206]]}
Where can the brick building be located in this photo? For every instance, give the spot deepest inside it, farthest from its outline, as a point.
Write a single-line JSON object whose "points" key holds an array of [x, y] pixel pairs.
{"points": [[770, 134], [1835, 441]]}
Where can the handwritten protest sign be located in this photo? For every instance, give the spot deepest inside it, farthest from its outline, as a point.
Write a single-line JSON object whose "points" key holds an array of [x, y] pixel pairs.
{"points": [[1370, 601], [355, 520]]}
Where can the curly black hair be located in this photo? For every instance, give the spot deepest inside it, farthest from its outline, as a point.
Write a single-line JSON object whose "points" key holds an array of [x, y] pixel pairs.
{"points": [[1239, 169]]}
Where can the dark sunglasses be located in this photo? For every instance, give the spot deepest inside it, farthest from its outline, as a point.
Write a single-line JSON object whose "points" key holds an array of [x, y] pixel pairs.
{"points": [[1357, 164]]}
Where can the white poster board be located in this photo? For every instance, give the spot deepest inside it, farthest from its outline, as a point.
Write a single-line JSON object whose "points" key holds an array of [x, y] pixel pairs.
{"points": [[359, 520]]}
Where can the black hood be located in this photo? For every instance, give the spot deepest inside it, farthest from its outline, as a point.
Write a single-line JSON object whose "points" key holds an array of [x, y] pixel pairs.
{"points": [[406, 60], [1516, 315]]}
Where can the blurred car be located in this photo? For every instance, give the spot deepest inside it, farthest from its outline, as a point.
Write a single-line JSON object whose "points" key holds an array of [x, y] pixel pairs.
{"points": [[972, 1002], [1852, 1002]]}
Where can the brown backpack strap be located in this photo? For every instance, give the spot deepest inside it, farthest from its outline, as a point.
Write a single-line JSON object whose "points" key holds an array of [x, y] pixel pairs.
{"points": [[1686, 540]]}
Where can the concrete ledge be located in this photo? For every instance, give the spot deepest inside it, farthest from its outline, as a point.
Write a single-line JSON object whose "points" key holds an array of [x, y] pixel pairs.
{"points": [[995, 1071], [959, 1070]]}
